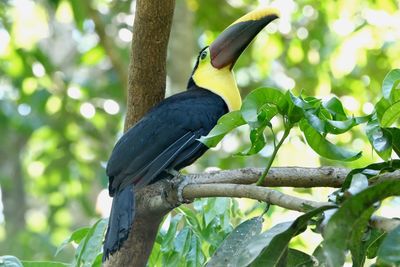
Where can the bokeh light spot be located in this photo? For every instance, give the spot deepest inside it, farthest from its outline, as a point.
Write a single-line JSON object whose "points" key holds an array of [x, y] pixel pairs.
{"points": [[87, 110], [111, 107]]}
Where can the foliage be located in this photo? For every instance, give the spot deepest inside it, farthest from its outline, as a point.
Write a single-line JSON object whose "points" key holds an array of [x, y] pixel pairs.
{"points": [[58, 83]]}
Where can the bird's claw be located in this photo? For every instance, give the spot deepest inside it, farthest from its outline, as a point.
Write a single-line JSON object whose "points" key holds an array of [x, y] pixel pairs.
{"points": [[181, 181], [181, 185]]}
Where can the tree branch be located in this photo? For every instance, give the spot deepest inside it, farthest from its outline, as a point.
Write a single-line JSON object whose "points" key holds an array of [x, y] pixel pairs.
{"points": [[270, 196], [235, 183], [284, 176], [277, 176]]}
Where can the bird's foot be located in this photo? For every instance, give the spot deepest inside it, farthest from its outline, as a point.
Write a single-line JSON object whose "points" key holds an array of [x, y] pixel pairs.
{"points": [[180, 181], [184, 181]]}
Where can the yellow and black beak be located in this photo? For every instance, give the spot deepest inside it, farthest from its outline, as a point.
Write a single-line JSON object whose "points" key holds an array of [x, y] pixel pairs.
{"points": [[230, 44]]}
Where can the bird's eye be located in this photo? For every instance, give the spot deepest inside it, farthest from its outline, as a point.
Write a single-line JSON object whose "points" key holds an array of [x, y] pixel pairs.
{"points": [[203, 55]]}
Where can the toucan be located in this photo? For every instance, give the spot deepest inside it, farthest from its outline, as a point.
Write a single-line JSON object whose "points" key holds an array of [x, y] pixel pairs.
{"points": [[166, 139]]}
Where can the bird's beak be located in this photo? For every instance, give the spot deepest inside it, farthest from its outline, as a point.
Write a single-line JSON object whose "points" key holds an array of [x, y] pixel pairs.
{"points": [[230, 44]]}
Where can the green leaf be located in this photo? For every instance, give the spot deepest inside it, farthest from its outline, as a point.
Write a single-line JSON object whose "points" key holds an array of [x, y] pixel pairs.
{"points": [[195, 256], [273, 253], [253, 248], [339, 228], [315, 122], [389, 251], [323, 147], [294, 113], [235, 241], [90, 247], [98, 261], [258, 142], [390, 83], [357, 245], [10, 261], [297, 258], [44, 264], [372, 170], [374, 242], [380, 140], [182, 241], [169, 237], [395, 134], [380, 107], [391, 114], [225, 124], [339, 127], [262, 104], [335, 108], [303, 104], [76, 237]]}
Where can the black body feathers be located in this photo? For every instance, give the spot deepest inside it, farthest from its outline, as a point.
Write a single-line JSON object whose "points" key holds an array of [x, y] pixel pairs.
{"points": [[165, 138]]}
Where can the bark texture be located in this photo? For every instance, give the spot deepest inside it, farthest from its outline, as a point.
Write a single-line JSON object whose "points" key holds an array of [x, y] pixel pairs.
{"points": [[147, 71]]}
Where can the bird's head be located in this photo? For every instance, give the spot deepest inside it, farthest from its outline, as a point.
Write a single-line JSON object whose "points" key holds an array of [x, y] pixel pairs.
{"points": [[213, 69]]}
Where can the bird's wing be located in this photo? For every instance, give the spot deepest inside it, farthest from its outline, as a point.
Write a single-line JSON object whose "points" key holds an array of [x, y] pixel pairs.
{"points": [[142, 155], [163, 161]]}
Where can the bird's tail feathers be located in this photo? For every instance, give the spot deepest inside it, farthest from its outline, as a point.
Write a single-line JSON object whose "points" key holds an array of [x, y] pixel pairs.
{"points": [[120, 221]]}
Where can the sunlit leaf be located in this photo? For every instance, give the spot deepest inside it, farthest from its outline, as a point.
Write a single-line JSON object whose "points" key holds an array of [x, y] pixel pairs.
{"points": [[90, 247], [225, 124], [323, 147], [335, 108], [76, 237], [390, 83], [380, 140], [380, 107], [389, 251], [339, 228], [262, 104], [391, 115], [339, 127], [299, 102], [315, 122]]}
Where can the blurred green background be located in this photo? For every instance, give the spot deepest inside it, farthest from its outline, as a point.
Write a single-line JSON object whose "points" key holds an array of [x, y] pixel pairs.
{"points": [[63, 76]]}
